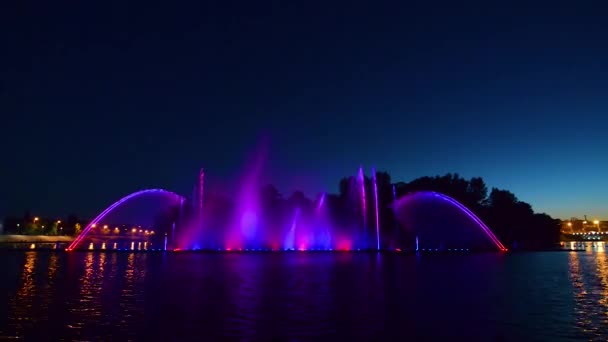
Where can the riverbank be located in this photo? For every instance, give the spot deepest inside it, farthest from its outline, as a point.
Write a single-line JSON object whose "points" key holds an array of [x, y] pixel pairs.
{"points": [[35, 238]]}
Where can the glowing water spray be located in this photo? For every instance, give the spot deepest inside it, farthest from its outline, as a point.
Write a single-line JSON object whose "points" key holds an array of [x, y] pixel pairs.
{"points": [[172, 236], [363, 202], [377, 211], [201, 184], [326, 239], [316, 233], [321, 201], [396, 224], [291, 234]]}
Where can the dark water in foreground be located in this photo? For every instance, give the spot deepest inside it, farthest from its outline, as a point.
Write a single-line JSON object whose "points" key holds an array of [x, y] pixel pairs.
{"points": [[304, 296]]}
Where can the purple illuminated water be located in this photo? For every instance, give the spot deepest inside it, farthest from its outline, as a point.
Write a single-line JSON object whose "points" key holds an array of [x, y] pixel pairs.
{"points": [[424, 221], [291, 235], [361, 179]]}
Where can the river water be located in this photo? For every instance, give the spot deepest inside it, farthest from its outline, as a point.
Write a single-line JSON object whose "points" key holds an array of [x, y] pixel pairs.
{"points": [[304, 296]]}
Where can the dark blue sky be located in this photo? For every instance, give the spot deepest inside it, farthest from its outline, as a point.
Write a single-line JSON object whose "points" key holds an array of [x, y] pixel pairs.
{"points": [[99, 99]]}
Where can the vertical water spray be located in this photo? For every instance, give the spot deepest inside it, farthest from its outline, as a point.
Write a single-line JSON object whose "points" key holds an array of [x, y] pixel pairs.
{"points": [[396, 236], [180, 214], [165, 241], [201, 183], [416, 243], [289, 242], [326, 239], [172, 235], [321, 201], [363, 204], [194, 195], [244, 230], [377, 212]]}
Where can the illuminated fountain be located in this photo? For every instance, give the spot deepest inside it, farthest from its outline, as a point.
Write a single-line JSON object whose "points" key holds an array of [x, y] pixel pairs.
{"points": [[264, 221], [438, 222]]}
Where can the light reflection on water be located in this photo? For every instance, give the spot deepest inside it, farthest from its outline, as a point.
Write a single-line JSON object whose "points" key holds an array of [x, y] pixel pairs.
{"points": [[300, 296], [588, 246], [22, 304], [132, 295], [589, 276]]}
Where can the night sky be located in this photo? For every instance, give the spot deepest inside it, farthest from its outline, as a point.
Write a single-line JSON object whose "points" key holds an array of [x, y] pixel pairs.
{"points": [[98, 100]]}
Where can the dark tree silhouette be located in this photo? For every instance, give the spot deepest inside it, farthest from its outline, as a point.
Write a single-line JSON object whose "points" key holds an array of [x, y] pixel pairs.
{"points": [[516, 223], [70, 224]]}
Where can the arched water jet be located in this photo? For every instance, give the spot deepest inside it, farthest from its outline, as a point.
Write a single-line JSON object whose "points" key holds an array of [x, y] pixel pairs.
{"points": [[116, 204], [453, 203]]}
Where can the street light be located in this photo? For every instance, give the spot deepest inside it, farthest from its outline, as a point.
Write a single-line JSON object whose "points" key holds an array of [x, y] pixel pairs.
{"points": [[36, 219], [597, 223]]}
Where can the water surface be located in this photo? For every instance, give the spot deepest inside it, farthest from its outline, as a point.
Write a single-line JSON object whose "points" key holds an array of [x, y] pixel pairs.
{"points": [[304, 296]]}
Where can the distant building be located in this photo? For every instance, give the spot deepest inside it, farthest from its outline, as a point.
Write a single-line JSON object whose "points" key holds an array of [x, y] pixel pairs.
{"points": [[575, 225]]}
